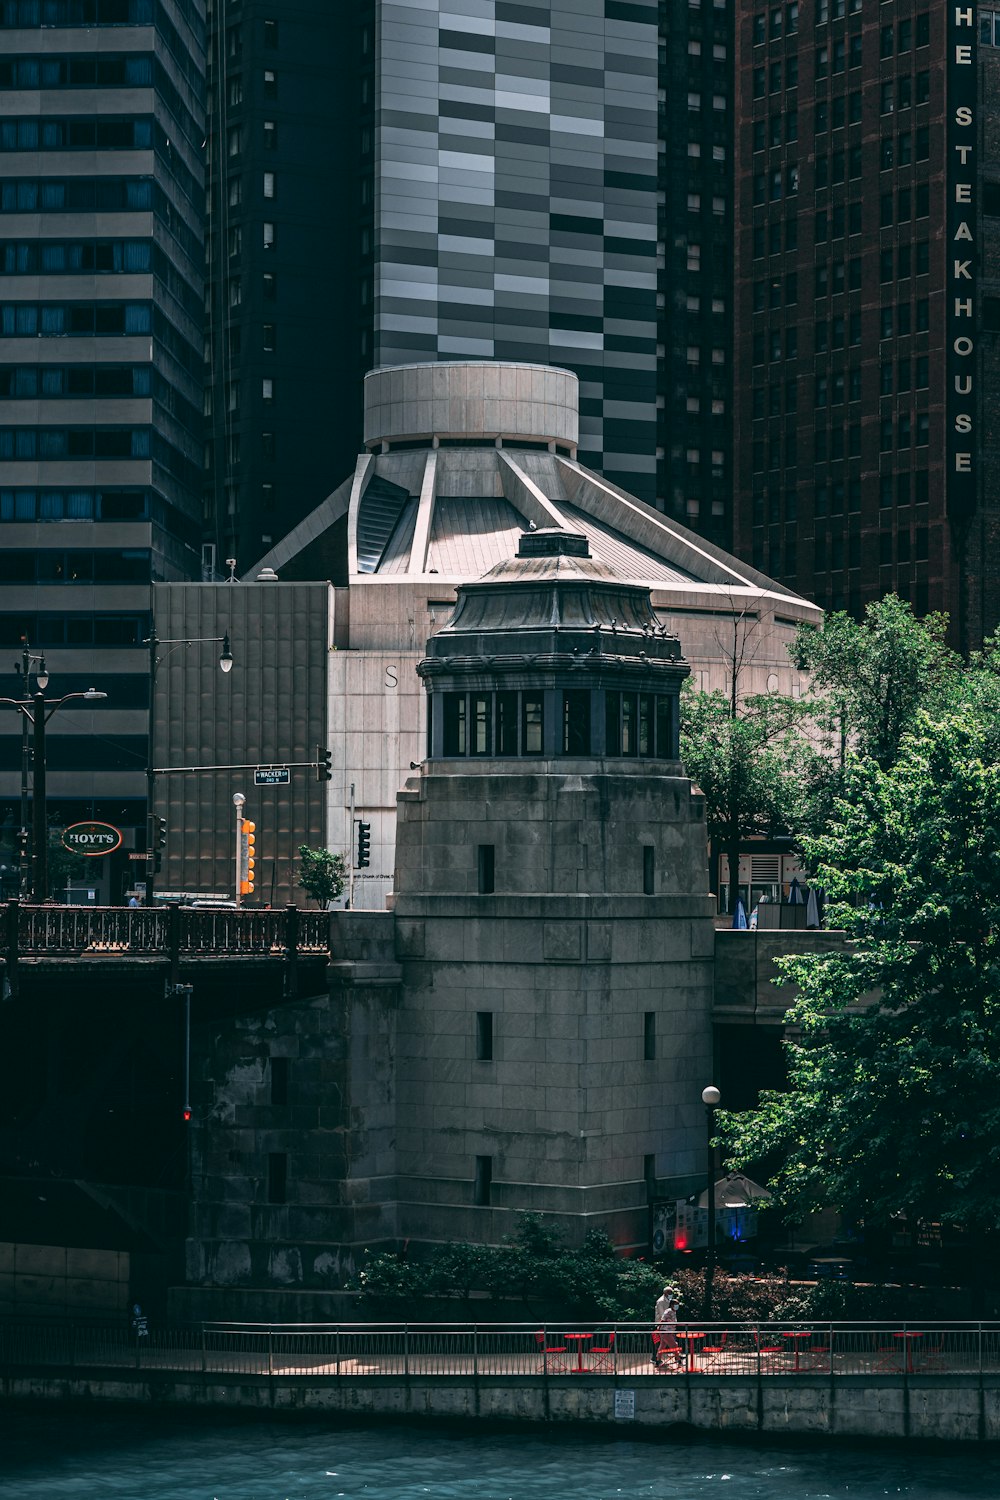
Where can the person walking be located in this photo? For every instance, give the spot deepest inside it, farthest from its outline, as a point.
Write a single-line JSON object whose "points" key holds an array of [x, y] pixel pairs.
{"points": [[665, 1331]]}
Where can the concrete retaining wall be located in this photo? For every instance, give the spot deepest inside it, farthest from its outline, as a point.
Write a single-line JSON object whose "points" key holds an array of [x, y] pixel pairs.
{"points": [[946, 1409]]}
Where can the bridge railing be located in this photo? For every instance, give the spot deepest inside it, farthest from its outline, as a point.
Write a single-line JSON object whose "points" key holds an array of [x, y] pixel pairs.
{"points": [[54, 931], [616, 1352]]}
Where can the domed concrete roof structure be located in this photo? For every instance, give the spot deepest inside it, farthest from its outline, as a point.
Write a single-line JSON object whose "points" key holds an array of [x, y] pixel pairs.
{"points": [[460, 459]]}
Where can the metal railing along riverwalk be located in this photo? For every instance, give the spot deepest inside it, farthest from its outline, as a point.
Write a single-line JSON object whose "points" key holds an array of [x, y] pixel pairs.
{"points": [[494, 1351], [96, 931]]}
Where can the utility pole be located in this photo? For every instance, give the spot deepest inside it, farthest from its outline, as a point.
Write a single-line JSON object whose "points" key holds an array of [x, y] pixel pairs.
{"points": [[350, 857]]}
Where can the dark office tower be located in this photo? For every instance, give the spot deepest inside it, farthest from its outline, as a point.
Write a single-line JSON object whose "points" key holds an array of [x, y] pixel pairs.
{"points": [[696, 277], [865, 131], [515, 213], [284, 157], [101, 202]]}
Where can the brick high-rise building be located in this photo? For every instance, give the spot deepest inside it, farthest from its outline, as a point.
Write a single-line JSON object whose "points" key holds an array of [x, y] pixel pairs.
{"points": [[863, 141]]}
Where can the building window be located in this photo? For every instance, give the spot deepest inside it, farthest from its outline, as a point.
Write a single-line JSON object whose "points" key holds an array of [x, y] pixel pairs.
{"points": [[649, 1036], [235, 191], [267, 388], [648, 870], [268, 184], [483, 1181], [576, 722], [486, 869], [269, 335], [279, 1080], [270, 84], [484, 1036], [277, 1177], [271, 35], [270, 136], [268, 236]]}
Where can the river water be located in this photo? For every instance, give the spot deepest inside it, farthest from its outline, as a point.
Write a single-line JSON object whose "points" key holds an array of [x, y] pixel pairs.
{"points": [[119, 1455]]}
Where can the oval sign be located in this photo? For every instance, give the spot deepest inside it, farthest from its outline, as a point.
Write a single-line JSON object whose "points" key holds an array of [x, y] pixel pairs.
{"points": [[91, 838]]}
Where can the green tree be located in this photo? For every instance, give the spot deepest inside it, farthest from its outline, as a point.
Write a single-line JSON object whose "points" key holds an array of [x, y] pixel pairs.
{"points": [[748, 757], [322, 874], [876, 675], [893, 1103]]}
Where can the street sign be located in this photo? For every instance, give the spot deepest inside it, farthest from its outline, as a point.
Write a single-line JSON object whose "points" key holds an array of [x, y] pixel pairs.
{"points": [[91, 838], [272, 776]]}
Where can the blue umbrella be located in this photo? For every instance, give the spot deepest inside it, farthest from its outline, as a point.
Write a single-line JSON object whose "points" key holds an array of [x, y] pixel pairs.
{"points": [[740, 916]]}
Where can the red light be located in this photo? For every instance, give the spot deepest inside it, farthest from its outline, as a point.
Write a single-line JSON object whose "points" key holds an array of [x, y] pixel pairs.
{"points": [[187, 1114]]}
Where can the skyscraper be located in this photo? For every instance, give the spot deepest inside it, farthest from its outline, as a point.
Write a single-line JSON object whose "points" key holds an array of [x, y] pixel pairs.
{"points": [[515, 202], [865, 136], [283, 152], [101, 134]]}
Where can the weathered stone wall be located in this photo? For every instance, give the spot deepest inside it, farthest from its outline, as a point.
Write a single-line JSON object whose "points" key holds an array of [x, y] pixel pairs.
{"points": [[567, 956], [327, 1109], [952, 1409]]}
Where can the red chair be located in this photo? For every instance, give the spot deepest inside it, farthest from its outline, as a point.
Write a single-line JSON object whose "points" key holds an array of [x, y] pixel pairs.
{"points": [[720, 1347], [553, 1355], [603, 1355]]}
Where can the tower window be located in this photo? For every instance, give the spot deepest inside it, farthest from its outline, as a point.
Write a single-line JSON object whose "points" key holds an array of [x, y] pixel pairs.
{"points": [[648, 870], [484, 1036], [649, 1035], [483, 1181], [487, 868], [277, 1177]]}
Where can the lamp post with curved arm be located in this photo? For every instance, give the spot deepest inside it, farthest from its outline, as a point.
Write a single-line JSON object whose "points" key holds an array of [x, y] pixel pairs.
{"points": [[38, 711], [225, 666], [711, 1098]]}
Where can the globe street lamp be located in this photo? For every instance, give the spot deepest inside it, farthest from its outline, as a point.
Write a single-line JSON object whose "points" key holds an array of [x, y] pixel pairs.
{"points": [[710, 1097], [38, 715]]}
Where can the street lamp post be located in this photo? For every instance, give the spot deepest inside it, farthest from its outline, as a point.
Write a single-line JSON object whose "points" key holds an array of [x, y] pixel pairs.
{"points": [[238, 803], [710, 1097], [38, 711], [225, 666]]}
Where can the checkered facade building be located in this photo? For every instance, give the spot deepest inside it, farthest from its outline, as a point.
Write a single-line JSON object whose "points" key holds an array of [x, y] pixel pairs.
{"points": [[515, 210]]}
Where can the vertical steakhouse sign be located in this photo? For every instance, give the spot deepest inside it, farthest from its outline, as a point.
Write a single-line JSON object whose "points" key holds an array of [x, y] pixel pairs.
{"points": [[960, 261]]}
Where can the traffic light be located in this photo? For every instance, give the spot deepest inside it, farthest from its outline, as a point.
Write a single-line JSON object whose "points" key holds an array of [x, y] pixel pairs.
{"points": [[156, 839], [323, 760], [248, 843], [364, 845]]}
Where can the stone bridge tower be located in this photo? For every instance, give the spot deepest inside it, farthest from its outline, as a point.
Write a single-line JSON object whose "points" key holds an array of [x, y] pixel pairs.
{"points": [[552, 913]]}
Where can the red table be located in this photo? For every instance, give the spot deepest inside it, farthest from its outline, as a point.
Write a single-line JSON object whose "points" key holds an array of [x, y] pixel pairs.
{"points": [[577, 1339], [689, 1336], [908, 1345], [799, 1333]]}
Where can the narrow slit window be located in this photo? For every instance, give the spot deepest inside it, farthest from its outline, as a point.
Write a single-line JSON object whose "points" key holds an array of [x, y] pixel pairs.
{"points": [[277, 1177], [649, 1036], [484, 1036], [648, 870], [487, 869], [279, 1080], [483, 1181]]}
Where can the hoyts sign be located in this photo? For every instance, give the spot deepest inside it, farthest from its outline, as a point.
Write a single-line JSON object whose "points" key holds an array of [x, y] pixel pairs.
{"points": [[91, 838]]}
